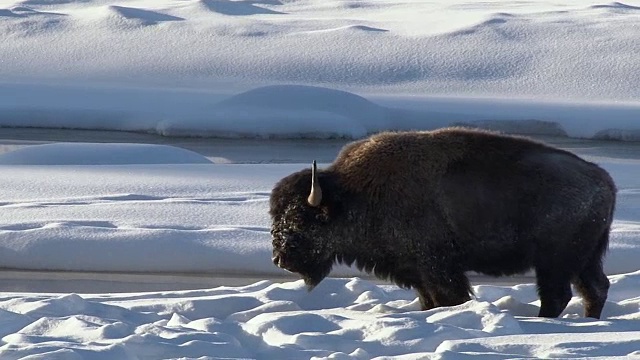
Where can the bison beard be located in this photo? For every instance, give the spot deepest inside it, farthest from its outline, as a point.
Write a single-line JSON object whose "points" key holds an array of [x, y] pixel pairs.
{"points": [[423, 208]]}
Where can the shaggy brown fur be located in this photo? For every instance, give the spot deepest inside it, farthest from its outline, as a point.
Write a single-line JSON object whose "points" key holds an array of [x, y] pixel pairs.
{"points": [[423, 208]]}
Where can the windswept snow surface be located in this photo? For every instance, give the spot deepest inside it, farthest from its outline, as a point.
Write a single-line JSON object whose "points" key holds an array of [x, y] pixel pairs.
{"points": [[241, 68], [185, 217], [340, 319], [568, 49]]}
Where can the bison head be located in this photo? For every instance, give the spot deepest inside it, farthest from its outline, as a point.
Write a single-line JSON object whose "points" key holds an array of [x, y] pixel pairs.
{"points": [[302, 223]]}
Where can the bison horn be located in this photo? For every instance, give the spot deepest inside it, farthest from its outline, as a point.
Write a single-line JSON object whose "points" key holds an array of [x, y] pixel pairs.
{"points": [[315, 197]]}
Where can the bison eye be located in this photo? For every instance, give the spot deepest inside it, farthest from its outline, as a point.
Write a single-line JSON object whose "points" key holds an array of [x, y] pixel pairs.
{"points": [[290, 241]]}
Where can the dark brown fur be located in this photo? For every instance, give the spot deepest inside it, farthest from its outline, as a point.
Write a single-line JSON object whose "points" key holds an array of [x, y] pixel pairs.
{"points": [[422, 208]]}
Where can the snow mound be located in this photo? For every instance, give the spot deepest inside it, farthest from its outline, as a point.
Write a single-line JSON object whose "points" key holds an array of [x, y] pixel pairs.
{"points": [[238, 8], [100, 154], [616, 6], [23, 22], [142, 16], [287, 111]]}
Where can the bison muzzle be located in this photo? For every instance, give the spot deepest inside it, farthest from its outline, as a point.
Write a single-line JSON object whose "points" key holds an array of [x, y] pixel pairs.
{"points": [[421, 209]]}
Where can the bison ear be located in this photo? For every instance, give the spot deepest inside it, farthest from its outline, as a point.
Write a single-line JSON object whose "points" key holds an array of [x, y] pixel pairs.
{"points": [[315, 197]]}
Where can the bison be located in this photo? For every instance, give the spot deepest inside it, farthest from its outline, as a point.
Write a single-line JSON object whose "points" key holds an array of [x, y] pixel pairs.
{"points": [[422, 208]]}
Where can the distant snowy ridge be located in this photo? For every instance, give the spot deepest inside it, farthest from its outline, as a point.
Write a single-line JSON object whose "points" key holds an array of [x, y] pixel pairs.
{"points": [[299, 111]]}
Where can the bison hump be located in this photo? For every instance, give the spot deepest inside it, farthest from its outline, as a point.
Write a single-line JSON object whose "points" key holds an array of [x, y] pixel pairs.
{"points": [[394, 162]]}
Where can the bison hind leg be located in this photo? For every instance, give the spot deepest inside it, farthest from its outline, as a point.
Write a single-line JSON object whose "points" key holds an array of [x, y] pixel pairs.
{"points": [[555, 293], [593, 285]]}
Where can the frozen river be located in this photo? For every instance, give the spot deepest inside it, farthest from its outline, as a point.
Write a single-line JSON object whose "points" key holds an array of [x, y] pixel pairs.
{"points": [[268, 151]]}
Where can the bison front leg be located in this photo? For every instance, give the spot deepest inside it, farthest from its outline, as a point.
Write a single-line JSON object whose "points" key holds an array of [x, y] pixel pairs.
{"points": [[426, 302], [554, 291], [445, 290]]}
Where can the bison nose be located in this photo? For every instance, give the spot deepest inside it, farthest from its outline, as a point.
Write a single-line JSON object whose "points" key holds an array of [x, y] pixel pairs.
{"points": [[279, 261]]}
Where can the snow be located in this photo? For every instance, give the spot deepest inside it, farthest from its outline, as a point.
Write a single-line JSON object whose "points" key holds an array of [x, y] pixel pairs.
{"points": [[273, 74], [341, 319], [452, 47]]}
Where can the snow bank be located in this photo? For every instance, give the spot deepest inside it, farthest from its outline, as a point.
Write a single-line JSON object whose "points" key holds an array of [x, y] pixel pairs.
{"points": [[286, 111], [297, 111]]}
